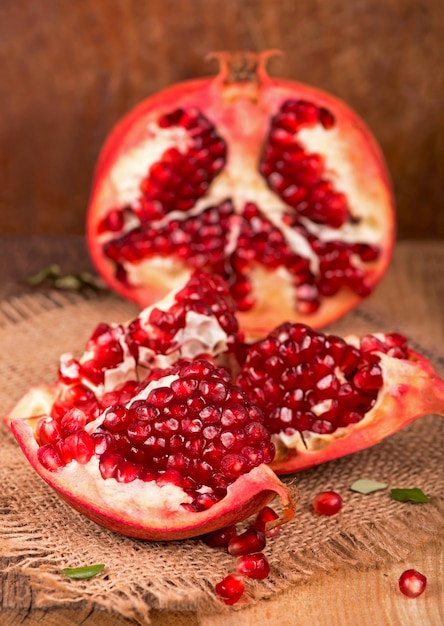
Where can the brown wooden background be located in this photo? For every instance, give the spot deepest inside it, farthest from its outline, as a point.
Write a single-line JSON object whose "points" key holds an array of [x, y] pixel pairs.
{"points": [[68, 70]]}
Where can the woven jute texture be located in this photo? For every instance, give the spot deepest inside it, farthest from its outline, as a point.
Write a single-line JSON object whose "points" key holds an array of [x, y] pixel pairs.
{"points": [[40, 534]]}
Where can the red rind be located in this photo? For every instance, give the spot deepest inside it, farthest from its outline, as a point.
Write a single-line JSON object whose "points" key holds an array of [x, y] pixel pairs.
{"points": [[411, 389]]}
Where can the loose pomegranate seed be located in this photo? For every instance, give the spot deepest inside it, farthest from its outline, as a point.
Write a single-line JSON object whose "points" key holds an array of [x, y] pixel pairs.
{"points": [[230, 589], [221, 537], [248, 542], [412, 583], [327, 503], [266, 516], [253, 565]]}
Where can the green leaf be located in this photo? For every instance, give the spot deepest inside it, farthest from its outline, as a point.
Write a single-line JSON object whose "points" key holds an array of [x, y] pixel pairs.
{"points": [[83, 573], [52, 277], [366, 486], [50, 273], [409, 495]]}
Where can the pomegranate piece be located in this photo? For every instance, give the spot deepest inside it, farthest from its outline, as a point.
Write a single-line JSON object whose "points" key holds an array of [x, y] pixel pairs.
{"points": [[412, 583], [324, 397], [193, 457], [327, 503], [197, 319], [276, 186], [230, 589]]}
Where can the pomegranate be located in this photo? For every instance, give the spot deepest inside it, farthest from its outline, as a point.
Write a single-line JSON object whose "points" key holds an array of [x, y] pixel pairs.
{"points": [[185, 455], [325, 397], [274, 185]]}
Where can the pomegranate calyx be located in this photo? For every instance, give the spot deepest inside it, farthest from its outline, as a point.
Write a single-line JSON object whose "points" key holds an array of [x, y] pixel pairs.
{"points": [[243, 66]]}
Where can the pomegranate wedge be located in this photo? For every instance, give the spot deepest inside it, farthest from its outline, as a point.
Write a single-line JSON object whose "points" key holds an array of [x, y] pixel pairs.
{"points": [[325, 397], [186, 455], [273, 184]]}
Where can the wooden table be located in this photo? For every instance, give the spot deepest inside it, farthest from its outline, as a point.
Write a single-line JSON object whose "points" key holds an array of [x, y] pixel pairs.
{"points": [[369, 598]]}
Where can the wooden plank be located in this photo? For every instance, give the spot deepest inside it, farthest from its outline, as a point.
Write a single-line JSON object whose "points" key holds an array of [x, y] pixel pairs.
{"points": [[68, 72]]}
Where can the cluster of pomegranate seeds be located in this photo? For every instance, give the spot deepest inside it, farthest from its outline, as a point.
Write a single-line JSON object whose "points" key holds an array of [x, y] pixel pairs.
{"points": [[193, 428], [198, 240], [296, 175], [299, 179], [327, 503], [164, 222], [203, 294], [247, 547], [307, 381], [154, 329], [412, 583]]}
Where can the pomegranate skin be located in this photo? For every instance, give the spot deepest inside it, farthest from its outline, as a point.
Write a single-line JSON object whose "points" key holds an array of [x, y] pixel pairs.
{"points": [[241, 112], [410, 390]]}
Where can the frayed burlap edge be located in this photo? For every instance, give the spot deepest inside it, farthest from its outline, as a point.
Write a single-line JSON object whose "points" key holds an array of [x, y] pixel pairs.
{"points": [[40, 535]]}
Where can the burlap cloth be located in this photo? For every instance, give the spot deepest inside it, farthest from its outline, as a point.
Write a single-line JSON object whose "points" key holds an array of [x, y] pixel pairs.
{"points": [[40, 534]]}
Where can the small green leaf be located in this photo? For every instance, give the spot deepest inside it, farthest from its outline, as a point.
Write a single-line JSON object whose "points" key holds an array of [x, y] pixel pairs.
{"points": [[409, 495], [69, 282], [50, 273], [83, 573], [366, 486], [52, 277]]}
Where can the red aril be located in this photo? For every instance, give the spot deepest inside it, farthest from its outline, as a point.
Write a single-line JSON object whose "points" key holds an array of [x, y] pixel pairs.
{"points": [[412, 583], [275, 185], [253, 565], [138, 470], [230, 589], [327, 503], [324, 397]]}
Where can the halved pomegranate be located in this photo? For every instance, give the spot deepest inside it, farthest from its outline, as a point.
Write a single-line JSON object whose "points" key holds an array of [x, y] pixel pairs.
{"points": [[325, 397], [276, 186], [186, 454]]}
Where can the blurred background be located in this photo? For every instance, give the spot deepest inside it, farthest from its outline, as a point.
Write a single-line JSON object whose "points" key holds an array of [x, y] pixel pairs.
{"points": [[69, 70]]}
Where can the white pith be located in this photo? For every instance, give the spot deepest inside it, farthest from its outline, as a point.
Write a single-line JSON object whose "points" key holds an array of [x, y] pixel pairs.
{"points": [[241, 182]]}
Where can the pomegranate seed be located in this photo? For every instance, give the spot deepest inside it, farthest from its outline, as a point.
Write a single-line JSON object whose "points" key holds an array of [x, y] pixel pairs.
{"points": [[253, 565], [108, 464], [265, 516], [126, 472], [81, 446], [73, 420], [412, 583], [47, 431], [116, 418], [327, 503], [49, 457], [230, 589], [221, 537], [251, 540]]}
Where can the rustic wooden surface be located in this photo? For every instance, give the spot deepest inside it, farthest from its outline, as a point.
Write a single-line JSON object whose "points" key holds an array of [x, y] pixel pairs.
{"points": [[69, 70], [341, 598]]}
